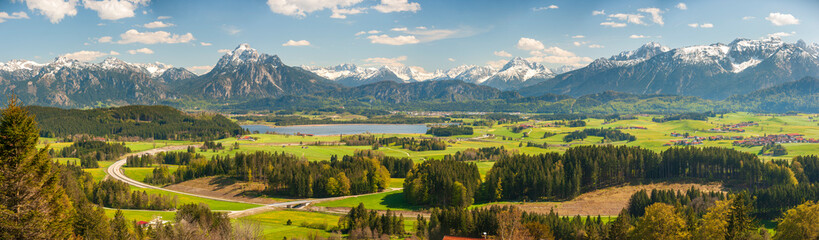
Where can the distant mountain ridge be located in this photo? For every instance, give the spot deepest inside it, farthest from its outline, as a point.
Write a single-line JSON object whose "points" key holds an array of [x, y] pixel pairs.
{"points": [[516, 73], [246, 73], [713, 71], [68, 82]]}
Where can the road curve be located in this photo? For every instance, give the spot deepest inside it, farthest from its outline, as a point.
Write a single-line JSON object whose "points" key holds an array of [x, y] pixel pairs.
{"points": [[115, 171]]}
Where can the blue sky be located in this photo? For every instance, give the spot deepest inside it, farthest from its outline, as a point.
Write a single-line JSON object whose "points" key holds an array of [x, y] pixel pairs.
{"points": [[436, 34]]}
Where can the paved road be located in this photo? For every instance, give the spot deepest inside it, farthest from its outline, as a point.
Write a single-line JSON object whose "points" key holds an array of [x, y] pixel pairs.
{"points": [[115, 171]]}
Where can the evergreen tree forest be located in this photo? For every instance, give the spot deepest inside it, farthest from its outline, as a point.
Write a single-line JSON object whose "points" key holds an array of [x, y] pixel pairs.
{"points": [[90, 152], [133, 122]]}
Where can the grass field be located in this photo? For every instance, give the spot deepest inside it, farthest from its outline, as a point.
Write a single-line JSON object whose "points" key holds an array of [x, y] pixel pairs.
{"points": [[381, 201], [139, 173], [274, 223], [142, 215]]}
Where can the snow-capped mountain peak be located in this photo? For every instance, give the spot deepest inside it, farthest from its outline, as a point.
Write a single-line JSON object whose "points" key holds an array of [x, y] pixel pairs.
{"points": [[646, 51], [19, 64], [244, 54]]}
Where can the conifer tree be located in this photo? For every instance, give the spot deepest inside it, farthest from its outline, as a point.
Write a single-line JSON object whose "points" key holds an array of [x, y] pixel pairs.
{"points": [[33, 204]]}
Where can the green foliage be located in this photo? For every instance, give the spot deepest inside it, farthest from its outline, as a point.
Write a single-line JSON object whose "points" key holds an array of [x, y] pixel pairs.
{"points": [[359, 219], [90, 152], [33, 203], [450, 130], [606, 133], [146, 122], [116, 194], [481, 154], [801, 222], [442, 183]]}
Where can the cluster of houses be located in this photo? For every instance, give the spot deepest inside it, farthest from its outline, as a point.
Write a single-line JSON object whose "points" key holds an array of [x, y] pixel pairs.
{"points": [[697, 140], [734, 127], [304, 134], [774, 139], [684, 142], [246, 138]]}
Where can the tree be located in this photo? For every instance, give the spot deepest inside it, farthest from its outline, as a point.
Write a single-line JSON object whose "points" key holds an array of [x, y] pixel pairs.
{"points": [[801, 222], [660, 222], [714, 224], [33, 204], [620, 227], [509, 225], [120, 228], [740, 221]]}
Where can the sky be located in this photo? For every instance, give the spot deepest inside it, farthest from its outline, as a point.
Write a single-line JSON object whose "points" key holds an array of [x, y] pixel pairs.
{"points": [[434, 34]]}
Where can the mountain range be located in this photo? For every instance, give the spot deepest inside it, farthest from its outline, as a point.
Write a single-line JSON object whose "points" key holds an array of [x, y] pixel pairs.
{"points": [[714, 71], [515, 74]]}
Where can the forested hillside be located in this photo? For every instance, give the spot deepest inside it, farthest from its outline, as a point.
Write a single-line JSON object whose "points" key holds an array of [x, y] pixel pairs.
{"points": [[145, 122]]}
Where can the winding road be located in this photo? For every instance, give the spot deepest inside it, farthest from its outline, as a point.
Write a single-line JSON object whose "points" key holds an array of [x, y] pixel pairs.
{"points": [[115, 172]]}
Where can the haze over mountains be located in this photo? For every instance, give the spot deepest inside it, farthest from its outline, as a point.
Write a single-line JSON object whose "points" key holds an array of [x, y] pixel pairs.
{"points": [[714, 71]]}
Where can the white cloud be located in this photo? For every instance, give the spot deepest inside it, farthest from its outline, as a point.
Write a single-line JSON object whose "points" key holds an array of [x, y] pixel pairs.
{"points": [[613, 24], [134, 36], [157, 24], [558, 55], [428, 35], [681, 6], [578, 36], [656, 14], [104, 39], [16, 15], [163, 17], [529, 44], [596, 46], [634, 36], [397, 40], [544, 8], [388, 6], [579, 43], [601, 12], [451, 59], [781, 34], [141, 50], [781, 19], [373, 32], [205, 43], [421, 28], [230, 29], [200, 69], [630, 18], [746, 18], [341, 13], [223, 51], [497, 63], [298, 43], [114, 9], [380, 61], [360, 33], [502, 54], [704, 25], [54, 10], [300, 8], [403, 29], [87, 56]]}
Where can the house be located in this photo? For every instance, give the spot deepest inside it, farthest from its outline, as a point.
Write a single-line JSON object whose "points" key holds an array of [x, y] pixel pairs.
{"points": [[246, 138]]}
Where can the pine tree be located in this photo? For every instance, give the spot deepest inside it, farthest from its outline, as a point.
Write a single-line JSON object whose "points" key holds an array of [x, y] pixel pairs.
{"points": [[120, 228], [33, 204]]}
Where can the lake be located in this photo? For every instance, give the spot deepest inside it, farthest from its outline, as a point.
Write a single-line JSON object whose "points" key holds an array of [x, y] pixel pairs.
{"points": [[341, 129]]}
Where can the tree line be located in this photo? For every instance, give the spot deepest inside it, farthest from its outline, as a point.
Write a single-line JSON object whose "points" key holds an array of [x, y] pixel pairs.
{"points": [[136, 121], [91, 151], [586, 168], [409, 143], [450, 130], [607, 134]]}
